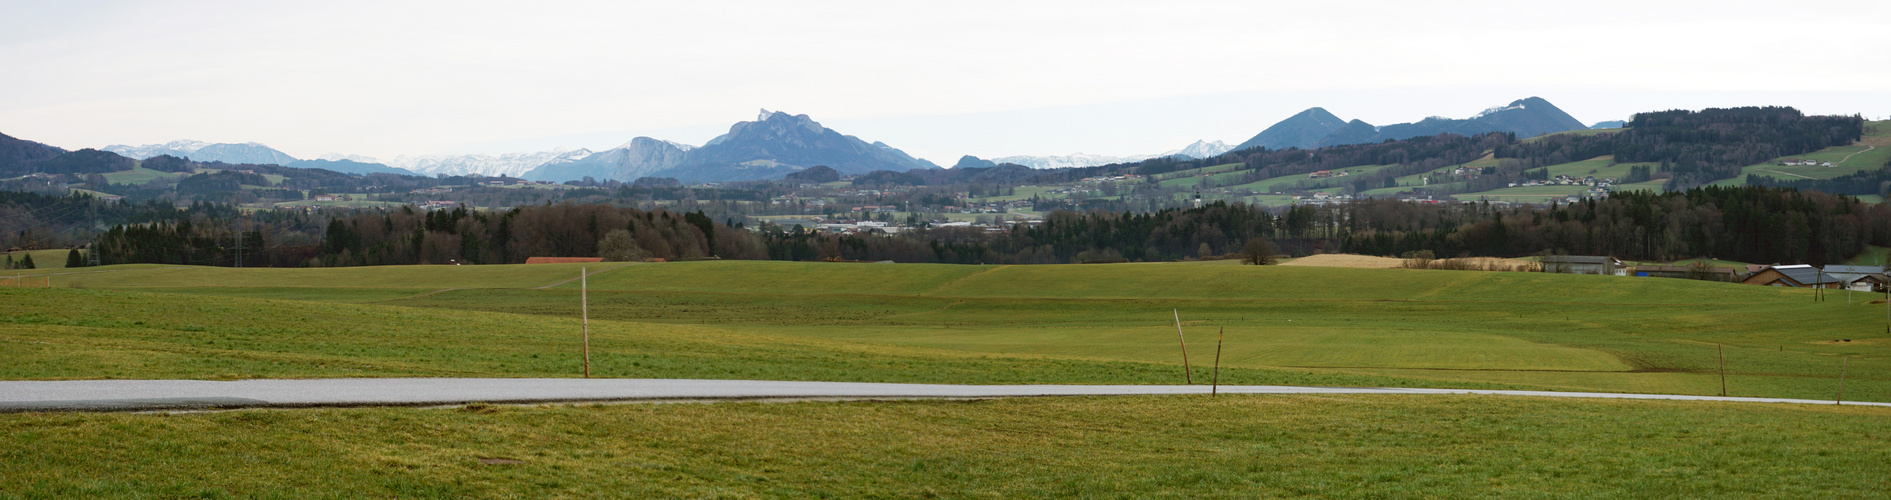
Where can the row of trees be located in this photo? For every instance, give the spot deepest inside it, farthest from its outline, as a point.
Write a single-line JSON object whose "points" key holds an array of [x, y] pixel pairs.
{"points": [[1751, 224], [407, 236], [562, 230]]}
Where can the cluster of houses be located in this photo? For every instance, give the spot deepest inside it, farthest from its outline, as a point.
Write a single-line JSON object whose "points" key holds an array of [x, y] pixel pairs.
{"points": [[996, 207], [515, 182], [1323, 174], [1567, 180], [1119, 178], [1322, 199], [1795, 162], [1838, 277]]}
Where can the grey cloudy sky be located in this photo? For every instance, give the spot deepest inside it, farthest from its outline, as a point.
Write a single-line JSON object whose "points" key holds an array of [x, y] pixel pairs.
{"points": [[937, 79]]}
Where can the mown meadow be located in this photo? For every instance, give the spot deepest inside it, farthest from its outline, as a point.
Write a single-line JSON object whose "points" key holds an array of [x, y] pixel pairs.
{"points": [[1123, 447], [749, 319], [957, 324]]}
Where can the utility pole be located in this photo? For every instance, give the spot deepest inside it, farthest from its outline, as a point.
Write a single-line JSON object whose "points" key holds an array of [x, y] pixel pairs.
{"points": [[584, 306]]}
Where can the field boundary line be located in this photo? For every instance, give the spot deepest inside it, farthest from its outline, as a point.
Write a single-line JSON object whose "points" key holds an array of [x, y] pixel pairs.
{"points": [[152, 395], [957, 280], [1784, 173], [586, 275]]}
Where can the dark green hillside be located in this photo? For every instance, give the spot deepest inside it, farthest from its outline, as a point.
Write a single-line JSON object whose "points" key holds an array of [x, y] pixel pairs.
{"points": [[1303, 130]]}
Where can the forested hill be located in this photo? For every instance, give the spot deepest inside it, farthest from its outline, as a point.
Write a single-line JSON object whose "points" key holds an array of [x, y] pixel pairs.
{"points": [[1749, 224], [1698, 147], [1408, 156]]}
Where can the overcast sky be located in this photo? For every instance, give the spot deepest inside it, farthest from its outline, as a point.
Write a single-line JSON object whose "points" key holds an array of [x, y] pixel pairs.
{"points": [[939, 80]]}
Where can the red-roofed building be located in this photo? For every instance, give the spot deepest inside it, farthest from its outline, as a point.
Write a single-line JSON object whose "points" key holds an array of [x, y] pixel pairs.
{"points": [[562, 260]]}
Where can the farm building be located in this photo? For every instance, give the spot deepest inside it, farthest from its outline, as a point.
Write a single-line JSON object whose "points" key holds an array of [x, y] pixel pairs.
{"points": [[1859, 278], [1796, 275], [562, 260], [1583, 264], [1724, 274]]}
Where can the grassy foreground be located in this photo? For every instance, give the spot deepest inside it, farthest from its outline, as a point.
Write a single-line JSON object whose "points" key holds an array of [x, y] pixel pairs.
{"points": [[1227, 447]]}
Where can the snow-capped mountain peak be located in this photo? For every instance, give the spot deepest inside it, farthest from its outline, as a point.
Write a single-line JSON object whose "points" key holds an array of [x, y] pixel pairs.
{"points": [[347, 157], [509, 164], [1497, 109], [1201, 149], [248, 152]]}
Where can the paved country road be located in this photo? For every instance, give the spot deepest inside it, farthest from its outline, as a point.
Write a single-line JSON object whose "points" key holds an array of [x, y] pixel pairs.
{"points": [[147, 395]]}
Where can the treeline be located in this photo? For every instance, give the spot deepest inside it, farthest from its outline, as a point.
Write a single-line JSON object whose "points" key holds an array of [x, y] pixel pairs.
{"points": [[562, 230], [34, 220], [1749, 224], [1701, 147], [407, 236], [1070, 237]]}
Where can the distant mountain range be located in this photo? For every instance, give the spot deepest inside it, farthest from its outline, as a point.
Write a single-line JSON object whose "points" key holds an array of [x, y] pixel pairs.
{"points": [[507, 165], [777, 143], [772, 146], [350, 167], [1194, 151], [200, 151], [638, 158], [1316, 127]]}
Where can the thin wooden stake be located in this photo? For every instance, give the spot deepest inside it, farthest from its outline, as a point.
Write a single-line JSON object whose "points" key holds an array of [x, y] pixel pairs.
{"points": [[584, 305], [1186, 374], [1723, 368], [1847, 363], [1215, 387]]}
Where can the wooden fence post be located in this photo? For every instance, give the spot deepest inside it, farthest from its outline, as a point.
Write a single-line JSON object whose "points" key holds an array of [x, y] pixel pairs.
{"points": [[584, 308], [1215, 387]]}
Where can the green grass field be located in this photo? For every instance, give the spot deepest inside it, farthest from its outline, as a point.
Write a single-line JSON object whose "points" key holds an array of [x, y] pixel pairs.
{"points": [[1525, 194], [1197, 172], [1407, 182], [1216, 176], [1278, 184], [1101, 323], [1018, 193], [1080, 324], [1872, 256], [1600, 167], [138, 175], [1128, 447], [1577, 132]]}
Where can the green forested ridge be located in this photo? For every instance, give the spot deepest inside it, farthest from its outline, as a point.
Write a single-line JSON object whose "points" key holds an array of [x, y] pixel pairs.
{"points": [[1697, 148]]}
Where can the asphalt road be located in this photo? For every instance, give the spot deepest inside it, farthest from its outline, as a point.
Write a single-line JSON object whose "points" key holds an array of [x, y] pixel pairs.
{"points": [[150, 395]]}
